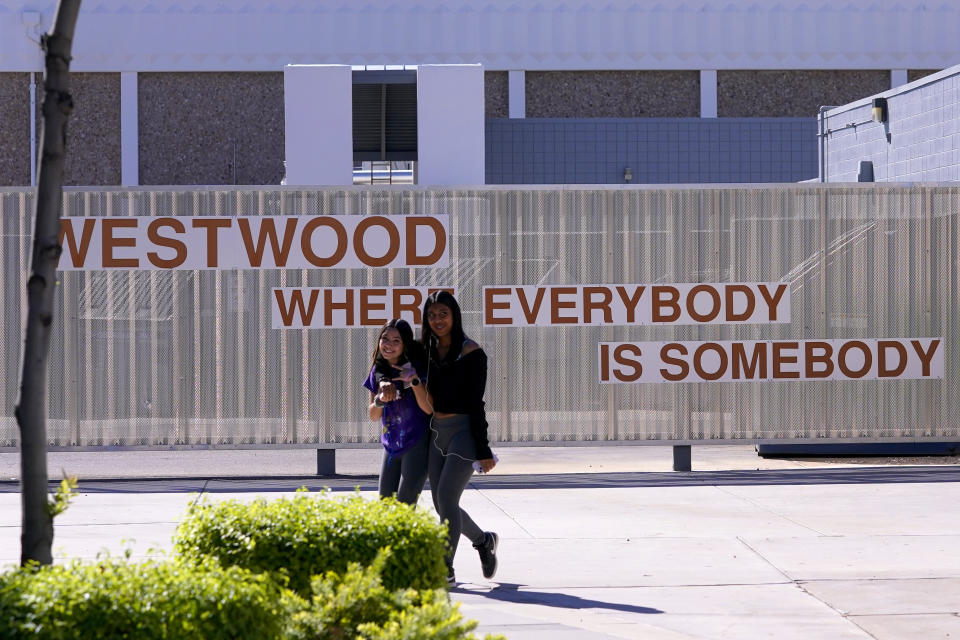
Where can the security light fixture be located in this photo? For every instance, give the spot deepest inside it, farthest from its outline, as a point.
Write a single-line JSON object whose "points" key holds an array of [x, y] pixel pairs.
{"points": [[627, 174], [878, 112]]}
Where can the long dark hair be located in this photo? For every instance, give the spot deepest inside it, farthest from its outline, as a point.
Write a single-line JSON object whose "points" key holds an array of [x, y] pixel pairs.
{"points": [[457, 336], [406, 336]]}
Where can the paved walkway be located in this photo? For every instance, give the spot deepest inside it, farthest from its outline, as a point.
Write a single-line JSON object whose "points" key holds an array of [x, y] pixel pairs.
{"points": [[606, 542]]}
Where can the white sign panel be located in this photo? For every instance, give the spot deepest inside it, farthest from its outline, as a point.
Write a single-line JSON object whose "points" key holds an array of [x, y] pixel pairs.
{"points": [[636, 304], [254, 242], [347, 307], [754, 360]]}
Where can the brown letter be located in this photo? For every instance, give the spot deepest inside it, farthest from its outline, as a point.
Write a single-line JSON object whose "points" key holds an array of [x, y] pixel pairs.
{"points": [[620, 356], [109, 242], [414, 307], [842, 359], [810, 359], [630, 302], [779, 360], [490, 305], [418, 221], [154, 236], [925, 356], [556, 305], [882, 370], [211, 225], [268, 231], [339, 251], [693, 311], [733, 316], [296, 303], [366, 306], [774, 301], [756, 368], [77, 256], [530, 315], [604, 362], [329, 305], [698, 355], [604, 304], [671, 301], [359, 234], [667, 359]]}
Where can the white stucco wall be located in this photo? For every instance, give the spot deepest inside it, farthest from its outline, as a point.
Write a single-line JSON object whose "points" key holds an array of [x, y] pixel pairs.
{"points": [[318, 124], [919, 143], [450, 125], [264, 35]]}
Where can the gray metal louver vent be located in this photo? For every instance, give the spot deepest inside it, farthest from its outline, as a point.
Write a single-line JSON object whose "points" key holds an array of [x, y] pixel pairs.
{"points": [[384, 115]]}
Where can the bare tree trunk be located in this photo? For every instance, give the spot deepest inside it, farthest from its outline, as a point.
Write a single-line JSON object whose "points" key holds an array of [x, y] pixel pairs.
{"points": [[36, 536]]}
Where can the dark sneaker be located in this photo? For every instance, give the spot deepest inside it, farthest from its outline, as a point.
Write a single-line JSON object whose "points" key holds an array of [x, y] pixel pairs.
{"points": [[488, 553], [451, 577]]}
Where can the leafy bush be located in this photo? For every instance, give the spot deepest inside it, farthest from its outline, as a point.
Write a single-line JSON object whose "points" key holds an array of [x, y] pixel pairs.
{"points": [[356, 605], [433, 617], [155, 600], [305, 535]]}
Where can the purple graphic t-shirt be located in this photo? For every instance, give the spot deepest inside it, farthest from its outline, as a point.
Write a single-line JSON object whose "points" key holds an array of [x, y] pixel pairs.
{"points": [[403, 421]]}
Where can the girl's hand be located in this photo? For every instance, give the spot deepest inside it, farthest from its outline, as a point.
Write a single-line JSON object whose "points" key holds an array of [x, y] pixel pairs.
{"points": [[388, 391], [407, 373], [487, 465]]}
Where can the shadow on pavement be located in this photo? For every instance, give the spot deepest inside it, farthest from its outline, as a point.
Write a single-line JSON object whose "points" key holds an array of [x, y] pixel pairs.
{"points": [[868, 475], [508, 592]]}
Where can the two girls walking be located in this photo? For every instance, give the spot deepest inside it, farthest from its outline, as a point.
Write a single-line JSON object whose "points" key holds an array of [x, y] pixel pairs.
{"points": [[449, 384]]}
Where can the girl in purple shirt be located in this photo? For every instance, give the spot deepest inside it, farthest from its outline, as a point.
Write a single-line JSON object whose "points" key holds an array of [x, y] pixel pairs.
{"points": [[398, 399]]}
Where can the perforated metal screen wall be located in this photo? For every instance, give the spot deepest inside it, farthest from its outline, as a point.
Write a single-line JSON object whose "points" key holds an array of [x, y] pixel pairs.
{"points": [[161, 358]]}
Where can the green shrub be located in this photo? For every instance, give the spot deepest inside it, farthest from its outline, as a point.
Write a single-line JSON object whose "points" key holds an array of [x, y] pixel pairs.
{"points": [[155, 600], [308, 535], [432, 617], [356, 605]]}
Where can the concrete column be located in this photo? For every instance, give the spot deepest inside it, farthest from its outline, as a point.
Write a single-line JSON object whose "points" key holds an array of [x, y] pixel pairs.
{"points": [[898, 77], [708, 93], [318, 124], [450, 125], [129, 130], [517, 93]]}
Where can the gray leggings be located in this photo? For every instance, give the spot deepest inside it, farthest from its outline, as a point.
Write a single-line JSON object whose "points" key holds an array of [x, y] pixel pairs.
{"points": [[404, 475], [450, 467]]}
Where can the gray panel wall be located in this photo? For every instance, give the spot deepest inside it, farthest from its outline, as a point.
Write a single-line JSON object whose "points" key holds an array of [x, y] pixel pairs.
{"points": [[924, 134], [657, 150]]}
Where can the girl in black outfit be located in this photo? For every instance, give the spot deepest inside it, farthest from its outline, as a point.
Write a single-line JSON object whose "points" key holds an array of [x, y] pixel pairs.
{"points": [[458, 433]]}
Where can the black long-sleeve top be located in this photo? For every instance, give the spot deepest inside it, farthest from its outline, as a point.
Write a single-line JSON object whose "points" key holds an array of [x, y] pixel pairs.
{"points": [[457, 386]]}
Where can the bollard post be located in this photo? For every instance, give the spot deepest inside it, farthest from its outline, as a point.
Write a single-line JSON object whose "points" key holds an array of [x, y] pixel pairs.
{"points": [[326, 462], [681, 458]]}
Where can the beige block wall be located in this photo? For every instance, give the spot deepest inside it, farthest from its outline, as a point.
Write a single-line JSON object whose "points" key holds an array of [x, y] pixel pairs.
{"points": [[15, 129], [496, 94], [792, 94], [613, 94], [193, 126]]}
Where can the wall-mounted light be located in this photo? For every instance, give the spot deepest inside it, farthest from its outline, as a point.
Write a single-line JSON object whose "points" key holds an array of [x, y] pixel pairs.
{"points": [[627, 174], [878, 112]]}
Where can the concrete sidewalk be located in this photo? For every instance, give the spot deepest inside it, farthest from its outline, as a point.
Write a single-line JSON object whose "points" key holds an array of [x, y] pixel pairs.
{"points": [[606, 542]]}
